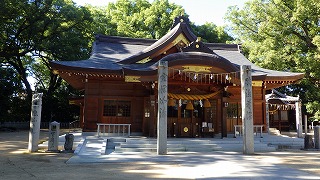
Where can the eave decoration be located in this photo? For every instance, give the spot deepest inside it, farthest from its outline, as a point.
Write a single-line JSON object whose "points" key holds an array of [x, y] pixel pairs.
{"points": [[193, 96]]}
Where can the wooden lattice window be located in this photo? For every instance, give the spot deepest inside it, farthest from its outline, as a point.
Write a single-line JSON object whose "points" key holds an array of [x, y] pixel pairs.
{"points": [[233, 111], [116, 108]]}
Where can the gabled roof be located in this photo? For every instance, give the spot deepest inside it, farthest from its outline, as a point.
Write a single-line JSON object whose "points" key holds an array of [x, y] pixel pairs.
{"points": [[277, 97], [180, 32], [121, 56]]}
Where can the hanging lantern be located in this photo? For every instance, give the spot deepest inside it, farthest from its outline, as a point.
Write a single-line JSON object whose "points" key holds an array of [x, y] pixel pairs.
{"points": [[171, 102], [189, 106], [206, 103]]}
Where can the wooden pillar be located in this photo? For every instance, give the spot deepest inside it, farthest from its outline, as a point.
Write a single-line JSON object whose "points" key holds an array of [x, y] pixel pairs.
{"points": [[298, 119], [224, 106], [153, 114], [85, 105], [247, 113], [267, 118], [162, 108]]}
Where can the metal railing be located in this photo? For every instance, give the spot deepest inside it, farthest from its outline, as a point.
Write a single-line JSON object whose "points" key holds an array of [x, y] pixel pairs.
{"points": [[255, 130], [113, 129]]}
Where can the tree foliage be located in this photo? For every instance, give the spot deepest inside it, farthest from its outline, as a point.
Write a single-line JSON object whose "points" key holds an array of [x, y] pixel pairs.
{"points": [[141, 19], [41, 30], [12, 106], [283, 35], [135, 18], [34, 32], [209, 32]]}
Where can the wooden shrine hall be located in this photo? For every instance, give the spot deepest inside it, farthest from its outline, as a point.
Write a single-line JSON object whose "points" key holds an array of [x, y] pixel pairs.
{"points": [[204, 98], [284, 112]]}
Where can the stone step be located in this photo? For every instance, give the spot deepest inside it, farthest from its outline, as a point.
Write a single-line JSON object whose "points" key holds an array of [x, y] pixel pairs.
{"points": [[116, 140], [168, 145], [99, 146], [92, 146], [191, 141], [225, 147], [192, 145], [169, 149], [274, 131]]}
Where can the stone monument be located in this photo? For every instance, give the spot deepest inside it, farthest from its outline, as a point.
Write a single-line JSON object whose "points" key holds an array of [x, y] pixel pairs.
{"points": [[35, 120], [54, 130], [162, 108], [247, 109]]}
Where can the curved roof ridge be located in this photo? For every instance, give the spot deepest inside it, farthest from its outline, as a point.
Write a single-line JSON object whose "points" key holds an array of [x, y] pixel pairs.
{"points": [[123, 40], [222, 46], [180, 28], [197, 46]]}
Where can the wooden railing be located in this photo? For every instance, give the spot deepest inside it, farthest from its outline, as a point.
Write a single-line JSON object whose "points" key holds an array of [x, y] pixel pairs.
{"points": [[113, 129], [255, 130]]}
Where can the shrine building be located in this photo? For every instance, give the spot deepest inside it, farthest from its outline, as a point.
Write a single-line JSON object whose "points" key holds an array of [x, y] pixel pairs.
{"points": [[120, 86]]}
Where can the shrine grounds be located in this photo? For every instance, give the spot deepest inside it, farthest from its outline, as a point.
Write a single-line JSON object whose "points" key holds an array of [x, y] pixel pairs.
{"points": [[17, 163]]}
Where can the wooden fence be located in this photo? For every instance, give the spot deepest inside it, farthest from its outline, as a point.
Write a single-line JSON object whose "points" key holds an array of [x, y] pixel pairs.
{"points": [[43, 125]]}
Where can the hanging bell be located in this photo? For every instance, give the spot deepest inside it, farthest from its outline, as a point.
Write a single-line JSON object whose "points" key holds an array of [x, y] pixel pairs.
{"points": [[171, 102], [206, 103], [189, 106]]}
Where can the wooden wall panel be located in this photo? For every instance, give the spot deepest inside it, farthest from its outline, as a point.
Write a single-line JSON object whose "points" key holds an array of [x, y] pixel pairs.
{"points": [[257, 114], [90, 113], [96, 92]]}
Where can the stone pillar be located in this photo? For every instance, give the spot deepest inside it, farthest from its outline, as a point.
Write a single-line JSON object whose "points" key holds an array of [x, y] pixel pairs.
{"points": [[308, 142], [34, 131], [247, 107], [54, 130], [267, 118], [305, 124], [162, 108], [317, 137], [298, 119]]}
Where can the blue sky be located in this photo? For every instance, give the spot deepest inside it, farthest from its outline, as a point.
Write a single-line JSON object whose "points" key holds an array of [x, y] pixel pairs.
{"points": [[200, 11]]}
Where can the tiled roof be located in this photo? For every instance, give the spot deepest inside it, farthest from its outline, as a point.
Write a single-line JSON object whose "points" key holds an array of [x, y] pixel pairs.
{"points": [[112, 53], [239, 59], [277, 96]]}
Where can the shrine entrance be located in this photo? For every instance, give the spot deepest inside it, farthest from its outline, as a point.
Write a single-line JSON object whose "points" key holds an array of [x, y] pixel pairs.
{"points": [[188, 118]]}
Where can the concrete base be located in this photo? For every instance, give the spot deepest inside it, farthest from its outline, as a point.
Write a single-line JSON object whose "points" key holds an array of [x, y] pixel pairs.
{"points": [[53, 151]]}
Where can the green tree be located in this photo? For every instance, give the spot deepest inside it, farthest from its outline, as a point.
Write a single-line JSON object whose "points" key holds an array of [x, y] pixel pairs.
{"points": [[41, 30], [283, 35], [141, 19], [138, 18], [211, 33], [12, 106], [34, 32]]}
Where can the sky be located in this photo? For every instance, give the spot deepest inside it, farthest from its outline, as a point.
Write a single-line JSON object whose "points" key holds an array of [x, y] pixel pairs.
{"points": [[199, 11]]}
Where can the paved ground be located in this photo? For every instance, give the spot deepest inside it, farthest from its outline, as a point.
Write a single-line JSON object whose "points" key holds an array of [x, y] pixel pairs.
{"points": [[16, 163]]}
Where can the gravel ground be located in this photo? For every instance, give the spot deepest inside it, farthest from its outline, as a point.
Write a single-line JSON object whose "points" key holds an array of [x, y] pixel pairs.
{"points": [[17, 163]]}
